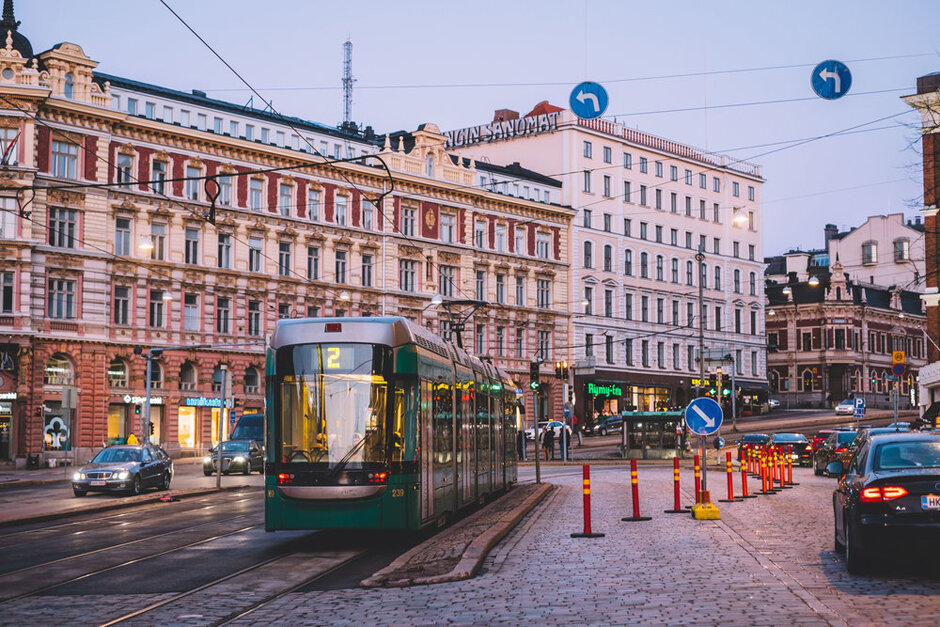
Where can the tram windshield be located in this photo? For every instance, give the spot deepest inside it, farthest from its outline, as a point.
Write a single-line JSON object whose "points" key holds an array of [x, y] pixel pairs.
{"points": [[332, 405]]}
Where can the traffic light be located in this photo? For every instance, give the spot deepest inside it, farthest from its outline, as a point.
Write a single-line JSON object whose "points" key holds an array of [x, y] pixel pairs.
{"points": [[137, 409], [38, 411], [534, 375], [561, 370], [151, 428]]}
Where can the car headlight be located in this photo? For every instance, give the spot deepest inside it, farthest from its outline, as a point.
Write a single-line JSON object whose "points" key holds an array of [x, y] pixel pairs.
{"points": [[207, 459], [120, 474], [77, 476], [238, 460]]}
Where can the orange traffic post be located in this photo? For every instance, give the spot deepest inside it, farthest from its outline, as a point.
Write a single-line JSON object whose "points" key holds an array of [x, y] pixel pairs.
{"points": [[744, 494], [790, 466], [677, 507], [587, 506], [781, 464], [730, 472], [766, 485], [698, 482], [635, 484]]}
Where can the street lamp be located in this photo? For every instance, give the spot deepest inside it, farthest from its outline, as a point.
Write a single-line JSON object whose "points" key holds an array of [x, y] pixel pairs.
{"points": [[813, 281]]}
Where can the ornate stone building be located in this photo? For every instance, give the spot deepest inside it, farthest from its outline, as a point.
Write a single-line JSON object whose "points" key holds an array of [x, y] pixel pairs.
{"points": [[135, 216]]}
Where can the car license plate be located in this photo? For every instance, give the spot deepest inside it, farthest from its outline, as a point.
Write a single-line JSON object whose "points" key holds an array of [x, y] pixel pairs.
{"points": [[98, 482], [931, 501]]}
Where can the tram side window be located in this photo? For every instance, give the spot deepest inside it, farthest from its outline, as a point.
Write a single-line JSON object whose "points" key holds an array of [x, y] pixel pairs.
{"points": [[404, 421], [443, 423]]}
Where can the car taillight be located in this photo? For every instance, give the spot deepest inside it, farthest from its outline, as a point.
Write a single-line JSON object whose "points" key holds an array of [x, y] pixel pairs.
{"points": [[841, 449], [809, 447], [882, 493]]}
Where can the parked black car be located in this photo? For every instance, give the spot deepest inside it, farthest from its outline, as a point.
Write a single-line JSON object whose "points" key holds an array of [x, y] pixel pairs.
{"points": [[865, 433], [888, 495], [835, 448], [751, 440], [244, 456], [127, 467], [801, 451], [608, 424]]}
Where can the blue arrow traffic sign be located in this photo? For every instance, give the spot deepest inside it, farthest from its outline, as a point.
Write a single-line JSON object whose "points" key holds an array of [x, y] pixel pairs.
{"points": [[831, 79], [704, 416], [588, 100]]}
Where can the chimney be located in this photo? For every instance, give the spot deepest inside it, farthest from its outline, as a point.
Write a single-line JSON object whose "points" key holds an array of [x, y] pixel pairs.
{"points": [[830, 232], [916, 220], [501, 115]]}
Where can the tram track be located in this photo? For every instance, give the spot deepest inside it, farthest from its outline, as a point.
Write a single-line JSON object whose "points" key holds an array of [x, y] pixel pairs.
{"points": [[123, 564]]}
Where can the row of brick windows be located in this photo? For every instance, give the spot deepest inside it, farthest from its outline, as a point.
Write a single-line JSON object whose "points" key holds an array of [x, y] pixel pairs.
{"points": [[816, 339]]}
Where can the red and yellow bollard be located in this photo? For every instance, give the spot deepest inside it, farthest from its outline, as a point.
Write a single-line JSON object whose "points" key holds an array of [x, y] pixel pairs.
{"points": [[677, 507], [744, 494], [635, 484], [790, 467], [730, 472], [586, 481]]}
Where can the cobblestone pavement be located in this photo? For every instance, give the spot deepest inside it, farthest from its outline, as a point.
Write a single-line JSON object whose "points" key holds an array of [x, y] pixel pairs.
{"points": [[768, 561]]}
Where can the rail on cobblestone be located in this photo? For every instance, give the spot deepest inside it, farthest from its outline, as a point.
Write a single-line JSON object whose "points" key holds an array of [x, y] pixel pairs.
{"points": [[457, 552]]}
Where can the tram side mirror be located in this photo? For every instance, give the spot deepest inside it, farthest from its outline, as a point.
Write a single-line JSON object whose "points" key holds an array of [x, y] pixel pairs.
{"points": [[835, 468]]}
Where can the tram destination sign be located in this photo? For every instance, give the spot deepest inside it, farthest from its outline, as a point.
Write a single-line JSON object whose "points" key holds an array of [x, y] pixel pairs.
{"points": [[500, 130]]}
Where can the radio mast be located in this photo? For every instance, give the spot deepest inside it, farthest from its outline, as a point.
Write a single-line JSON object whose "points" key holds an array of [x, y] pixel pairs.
{"points": [[348, 81]]}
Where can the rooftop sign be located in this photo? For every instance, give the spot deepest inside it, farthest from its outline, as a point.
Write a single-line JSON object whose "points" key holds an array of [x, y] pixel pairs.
{"points": [[497, 131]]}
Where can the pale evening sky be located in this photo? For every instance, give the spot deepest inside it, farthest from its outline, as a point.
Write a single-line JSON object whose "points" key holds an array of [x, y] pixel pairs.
{"points": [[454, 63]]}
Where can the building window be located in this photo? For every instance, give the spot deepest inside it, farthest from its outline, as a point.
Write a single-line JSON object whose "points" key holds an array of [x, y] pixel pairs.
{"points": [[313, 204], [587, 182], [407, 273], [446, 284], [609, 303], [520, 245], [869, 253], [192, 246], [285, 198], [447, 231], [717, 285], [658, 169], [541, 245], [255, 194], [750, 252], [659, 199], [225, 250], [609, 348], [607, 154], [735, 189], [689, 274], [688, 206], [341, 212], [156, 308], [480, 285], [660, 355], [659, 234], [644, 266], [753, 322], [367, 270], [588, 255], [254, 318], [500, 340], [158, 176], [644, 308], [158, 238], [122, 236], [626, 192], [660, 311], [737, 281], [702, 181], [192, 183], [124, 165], [627, 161], [62, 227], [718, 318], [339, 275], [588, 300], [628, 350], [902, 250], [225, 191], [752, 283], [588, 150], [750, 192], [283, 259], [716, 184], [500, 289], [121, 302], [675, 313], [659, 267], [643, 196], [607, 222], [542, 344], [479, 336], [543, 293], [64, 159], [222, 315], [500, 238], [737, 320], [520, 291], [643, 228], [628, 306], [479, 233], [254, 254], [645, 353], [283, 311], [674, 270], [628, 262], [643, 165], [520, 343], [606, 186], [608, 258], [191, 312], [588, 344]]}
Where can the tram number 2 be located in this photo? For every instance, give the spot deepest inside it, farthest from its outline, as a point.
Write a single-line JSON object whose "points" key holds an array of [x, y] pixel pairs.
{"points": [[397, 493], [332, 357]]}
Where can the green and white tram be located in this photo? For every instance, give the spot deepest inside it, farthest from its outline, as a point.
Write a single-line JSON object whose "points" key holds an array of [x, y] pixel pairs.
{"points": [[375, 423]]}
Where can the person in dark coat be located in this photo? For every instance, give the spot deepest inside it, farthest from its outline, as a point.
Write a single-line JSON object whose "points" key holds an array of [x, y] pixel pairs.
{"points": [[563, 443], [520, 444], [548, 441]]}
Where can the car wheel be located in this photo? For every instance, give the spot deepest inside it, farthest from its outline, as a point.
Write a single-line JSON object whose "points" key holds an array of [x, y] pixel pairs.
{"points": [[166, 481], [135, 487], [79, 492], [603, 431], [207, 473], [856, 555]]}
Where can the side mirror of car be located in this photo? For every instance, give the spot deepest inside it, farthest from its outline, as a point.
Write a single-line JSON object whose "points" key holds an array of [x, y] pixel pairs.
{"points": [[835, 468], [87, 461]]}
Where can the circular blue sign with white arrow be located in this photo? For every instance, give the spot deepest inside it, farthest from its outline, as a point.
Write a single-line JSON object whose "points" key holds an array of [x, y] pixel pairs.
{"points": [[831, 79], [588, 100], [704, 416]]}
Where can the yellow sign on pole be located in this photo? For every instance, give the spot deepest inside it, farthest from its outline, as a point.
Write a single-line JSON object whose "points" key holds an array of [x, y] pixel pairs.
{"points": [[897, 357]]}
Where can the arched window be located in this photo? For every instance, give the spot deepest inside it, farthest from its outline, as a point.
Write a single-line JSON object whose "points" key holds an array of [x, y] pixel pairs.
{"points": [[752, 284], [628, 262], [644, 266], [156, 375], [429, 165], [689, 273], [588, 255], [659, 267], [737, 281], [704, 277], [187, 376], [806, 381], [58, 371], [608, 258], [117, 374], [252, 381], [69, 85], [717, 285], [774, 381]]}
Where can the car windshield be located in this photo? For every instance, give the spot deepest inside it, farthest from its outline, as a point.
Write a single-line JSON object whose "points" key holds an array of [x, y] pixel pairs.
{"points": [[789, 437], [117, 455], [848, 401], [903, 455], [845, 437], [755, 438], [234, 446]]}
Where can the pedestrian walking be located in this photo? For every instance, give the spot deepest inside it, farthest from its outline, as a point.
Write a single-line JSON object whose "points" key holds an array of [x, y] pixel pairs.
{"points": [[548, 441], [520, 444]]}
